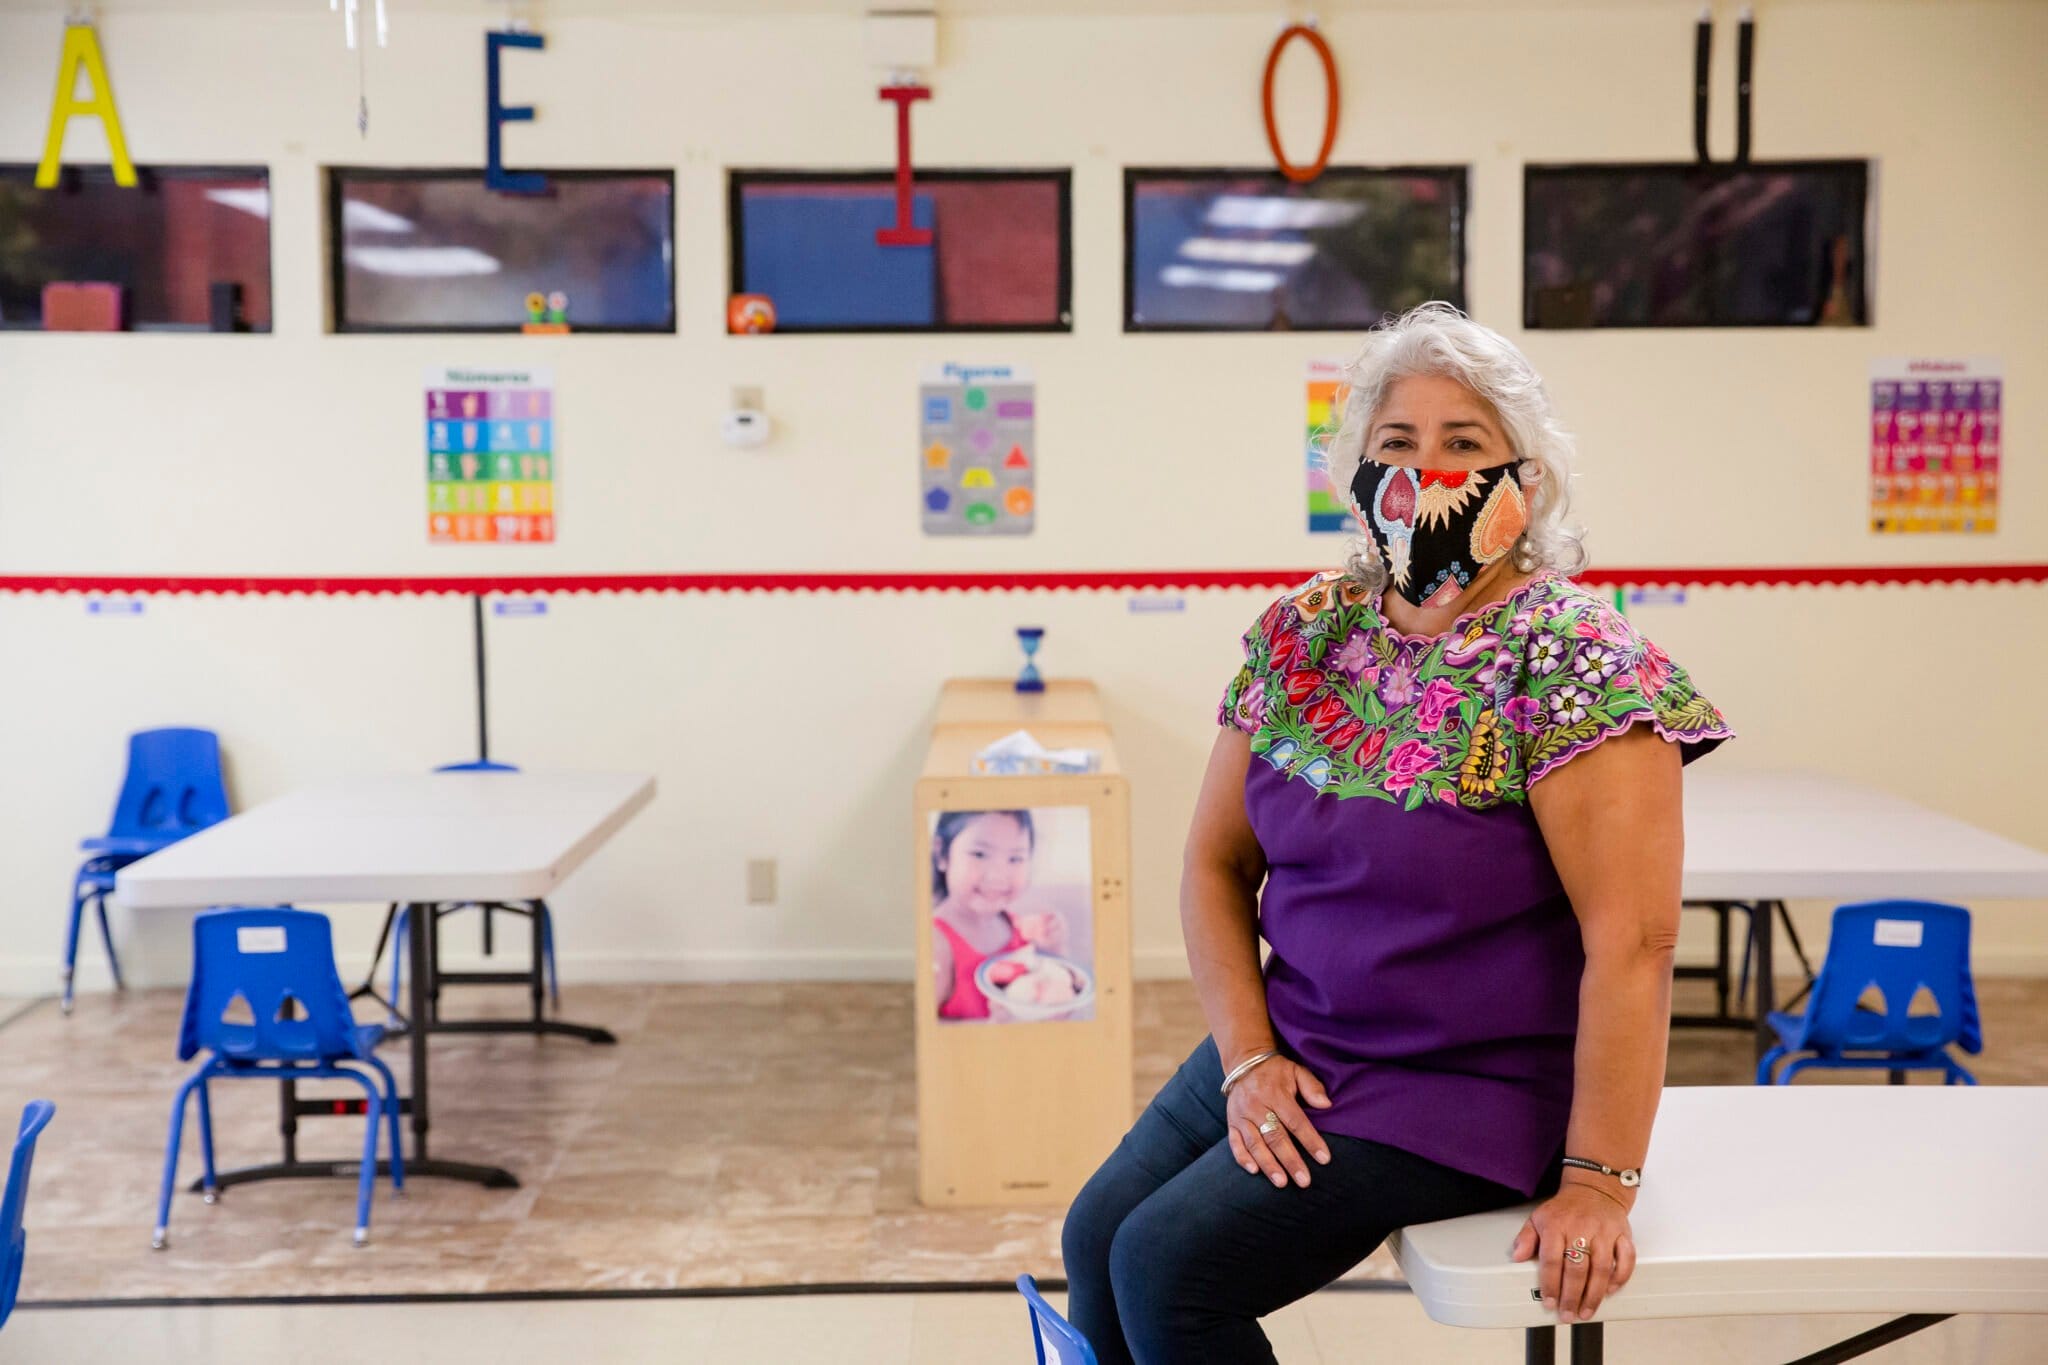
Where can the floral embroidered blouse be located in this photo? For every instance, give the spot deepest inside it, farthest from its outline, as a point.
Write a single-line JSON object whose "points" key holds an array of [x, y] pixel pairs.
{"points": [[1425, 962]]}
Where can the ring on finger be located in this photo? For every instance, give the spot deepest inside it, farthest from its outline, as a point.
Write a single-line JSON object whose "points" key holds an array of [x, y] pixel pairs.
{"points": [[1575, 1254], [1271, 1124]]}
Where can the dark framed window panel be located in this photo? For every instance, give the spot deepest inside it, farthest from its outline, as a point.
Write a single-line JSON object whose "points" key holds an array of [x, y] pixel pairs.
{"points": [[1686, 244], [1000, 260], [415, 249], [165, 243], [1222, 249]]}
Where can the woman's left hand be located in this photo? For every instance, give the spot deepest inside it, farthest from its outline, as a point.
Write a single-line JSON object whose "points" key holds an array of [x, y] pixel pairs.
{"points": [[1578, 1217]]}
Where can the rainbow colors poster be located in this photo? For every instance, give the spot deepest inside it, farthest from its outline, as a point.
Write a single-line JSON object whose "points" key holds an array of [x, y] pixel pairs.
{"points": [[1328, 509]]}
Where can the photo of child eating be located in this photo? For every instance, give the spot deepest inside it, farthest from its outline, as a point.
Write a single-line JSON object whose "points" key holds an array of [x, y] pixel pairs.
{"points": [[1011, 933]]}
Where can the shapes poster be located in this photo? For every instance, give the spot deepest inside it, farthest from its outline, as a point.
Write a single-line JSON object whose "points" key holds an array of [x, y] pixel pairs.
{"points": [[1328, 508], [490, 456], [1935, 437], [977, 450]]}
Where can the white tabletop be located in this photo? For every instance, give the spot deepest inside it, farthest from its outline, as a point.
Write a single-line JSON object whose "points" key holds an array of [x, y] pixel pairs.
{"points": [[1783, 836], [425, 837], [1796, 1199]]}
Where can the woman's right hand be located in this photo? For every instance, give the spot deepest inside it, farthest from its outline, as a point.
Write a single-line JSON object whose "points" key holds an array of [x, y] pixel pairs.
{"points": [[1277, 1087]]}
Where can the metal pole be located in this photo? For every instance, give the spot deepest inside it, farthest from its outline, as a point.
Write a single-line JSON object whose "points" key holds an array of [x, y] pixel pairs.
{"points": [[483, 721]]}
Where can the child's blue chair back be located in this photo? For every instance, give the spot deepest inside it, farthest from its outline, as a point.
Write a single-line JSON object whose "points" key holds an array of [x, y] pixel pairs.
{"points": [[1057, 1341], [1898, 947], [13, 1241], [266, 956], [173, 786]]}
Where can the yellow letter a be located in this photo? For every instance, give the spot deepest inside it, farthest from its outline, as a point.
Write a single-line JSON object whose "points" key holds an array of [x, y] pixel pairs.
{"points": [[82, 47]]}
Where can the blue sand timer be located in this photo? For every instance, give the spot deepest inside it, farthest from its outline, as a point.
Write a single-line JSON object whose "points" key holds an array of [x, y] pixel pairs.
{"points": [[1028, 680]]}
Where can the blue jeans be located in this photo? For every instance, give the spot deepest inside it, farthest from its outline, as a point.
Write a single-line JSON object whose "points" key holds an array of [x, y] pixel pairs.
{"points": [[1174, 1251]]}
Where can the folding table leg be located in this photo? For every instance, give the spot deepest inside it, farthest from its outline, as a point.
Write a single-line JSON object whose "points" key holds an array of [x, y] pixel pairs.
{"points": [[1539, 1346], [1589, 1343], [1723, 962], [1762, 922], [1865, 1342], [540, 958]]}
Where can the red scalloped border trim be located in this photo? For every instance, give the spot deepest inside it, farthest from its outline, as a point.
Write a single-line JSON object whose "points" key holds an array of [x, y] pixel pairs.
{"points": [[1110, 580]]}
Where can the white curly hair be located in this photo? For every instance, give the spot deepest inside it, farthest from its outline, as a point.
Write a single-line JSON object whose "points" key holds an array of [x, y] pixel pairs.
{"points": [[1438, 339]]}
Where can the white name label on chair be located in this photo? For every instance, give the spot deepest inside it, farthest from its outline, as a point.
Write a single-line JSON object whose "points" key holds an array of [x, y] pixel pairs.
{"points": [[1897, 933], [269, 938]]}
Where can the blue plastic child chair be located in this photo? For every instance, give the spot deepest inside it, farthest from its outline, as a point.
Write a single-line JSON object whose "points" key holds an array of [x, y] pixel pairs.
{"points": [[269, 958], [13, 1241], [398, 918], [1057, 1341], [1896, 947], [173, 788]]}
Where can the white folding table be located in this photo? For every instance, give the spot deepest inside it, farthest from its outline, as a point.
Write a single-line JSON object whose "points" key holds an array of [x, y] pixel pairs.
{"points": [[421, 840], [1925, 1201], [1760, 838]]}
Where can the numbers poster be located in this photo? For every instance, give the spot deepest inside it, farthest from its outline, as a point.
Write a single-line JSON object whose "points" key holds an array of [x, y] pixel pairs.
{"points": [[1935, 439], [490, 456], [977, 450]]}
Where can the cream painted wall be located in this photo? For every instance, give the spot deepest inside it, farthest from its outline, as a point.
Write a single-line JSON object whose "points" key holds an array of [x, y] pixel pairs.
{"points": [[790, 727]]}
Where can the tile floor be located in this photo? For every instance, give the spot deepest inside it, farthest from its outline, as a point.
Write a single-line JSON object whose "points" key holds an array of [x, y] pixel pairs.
{"points": [[739, 1135], [1335, 1327]]}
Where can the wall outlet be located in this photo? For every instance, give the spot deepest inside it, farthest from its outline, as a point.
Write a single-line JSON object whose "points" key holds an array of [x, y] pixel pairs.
{"points": [[760, 881]]}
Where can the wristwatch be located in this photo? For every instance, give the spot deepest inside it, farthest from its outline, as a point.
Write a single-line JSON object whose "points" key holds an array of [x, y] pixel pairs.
{"points": [[1631, 1177]]}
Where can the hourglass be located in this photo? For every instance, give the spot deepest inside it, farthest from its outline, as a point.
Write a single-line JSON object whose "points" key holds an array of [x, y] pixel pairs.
{"points": [[1028, 680]]}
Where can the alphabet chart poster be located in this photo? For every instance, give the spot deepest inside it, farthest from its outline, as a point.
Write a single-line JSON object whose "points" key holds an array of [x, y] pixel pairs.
{"points": [[490, 456], [1935, 440], [977, 452], [1328, 509]]}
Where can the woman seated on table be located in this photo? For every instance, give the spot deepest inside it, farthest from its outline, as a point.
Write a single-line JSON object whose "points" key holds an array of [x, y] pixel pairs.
{"points": [[1469, 851]]}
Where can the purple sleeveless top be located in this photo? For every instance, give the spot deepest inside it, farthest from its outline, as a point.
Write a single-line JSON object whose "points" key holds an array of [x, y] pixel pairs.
{"points": [[1425, 962]]}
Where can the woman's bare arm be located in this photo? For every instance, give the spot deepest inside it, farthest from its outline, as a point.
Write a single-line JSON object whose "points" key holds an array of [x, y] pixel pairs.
{"points": [[1219, 916], [1613, 820], [1221, 873]]}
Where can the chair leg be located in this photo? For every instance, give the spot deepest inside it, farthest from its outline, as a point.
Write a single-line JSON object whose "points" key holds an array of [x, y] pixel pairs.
{"points": [[1766, 1062], [159, 1239], [107, 937], [391, 1115], [366, 1179], [71, 927], [211, 1184]]}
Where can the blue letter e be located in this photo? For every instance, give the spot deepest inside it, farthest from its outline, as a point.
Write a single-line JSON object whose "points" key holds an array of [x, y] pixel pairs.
{"points": [[497, 115]]}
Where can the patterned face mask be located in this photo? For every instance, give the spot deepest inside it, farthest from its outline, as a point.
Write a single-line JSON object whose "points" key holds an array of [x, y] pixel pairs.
{"points": [[1435, 529]]}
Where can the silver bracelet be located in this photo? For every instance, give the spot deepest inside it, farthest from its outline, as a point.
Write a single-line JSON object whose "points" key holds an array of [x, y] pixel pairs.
{"points": [[1246, 1065]]}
